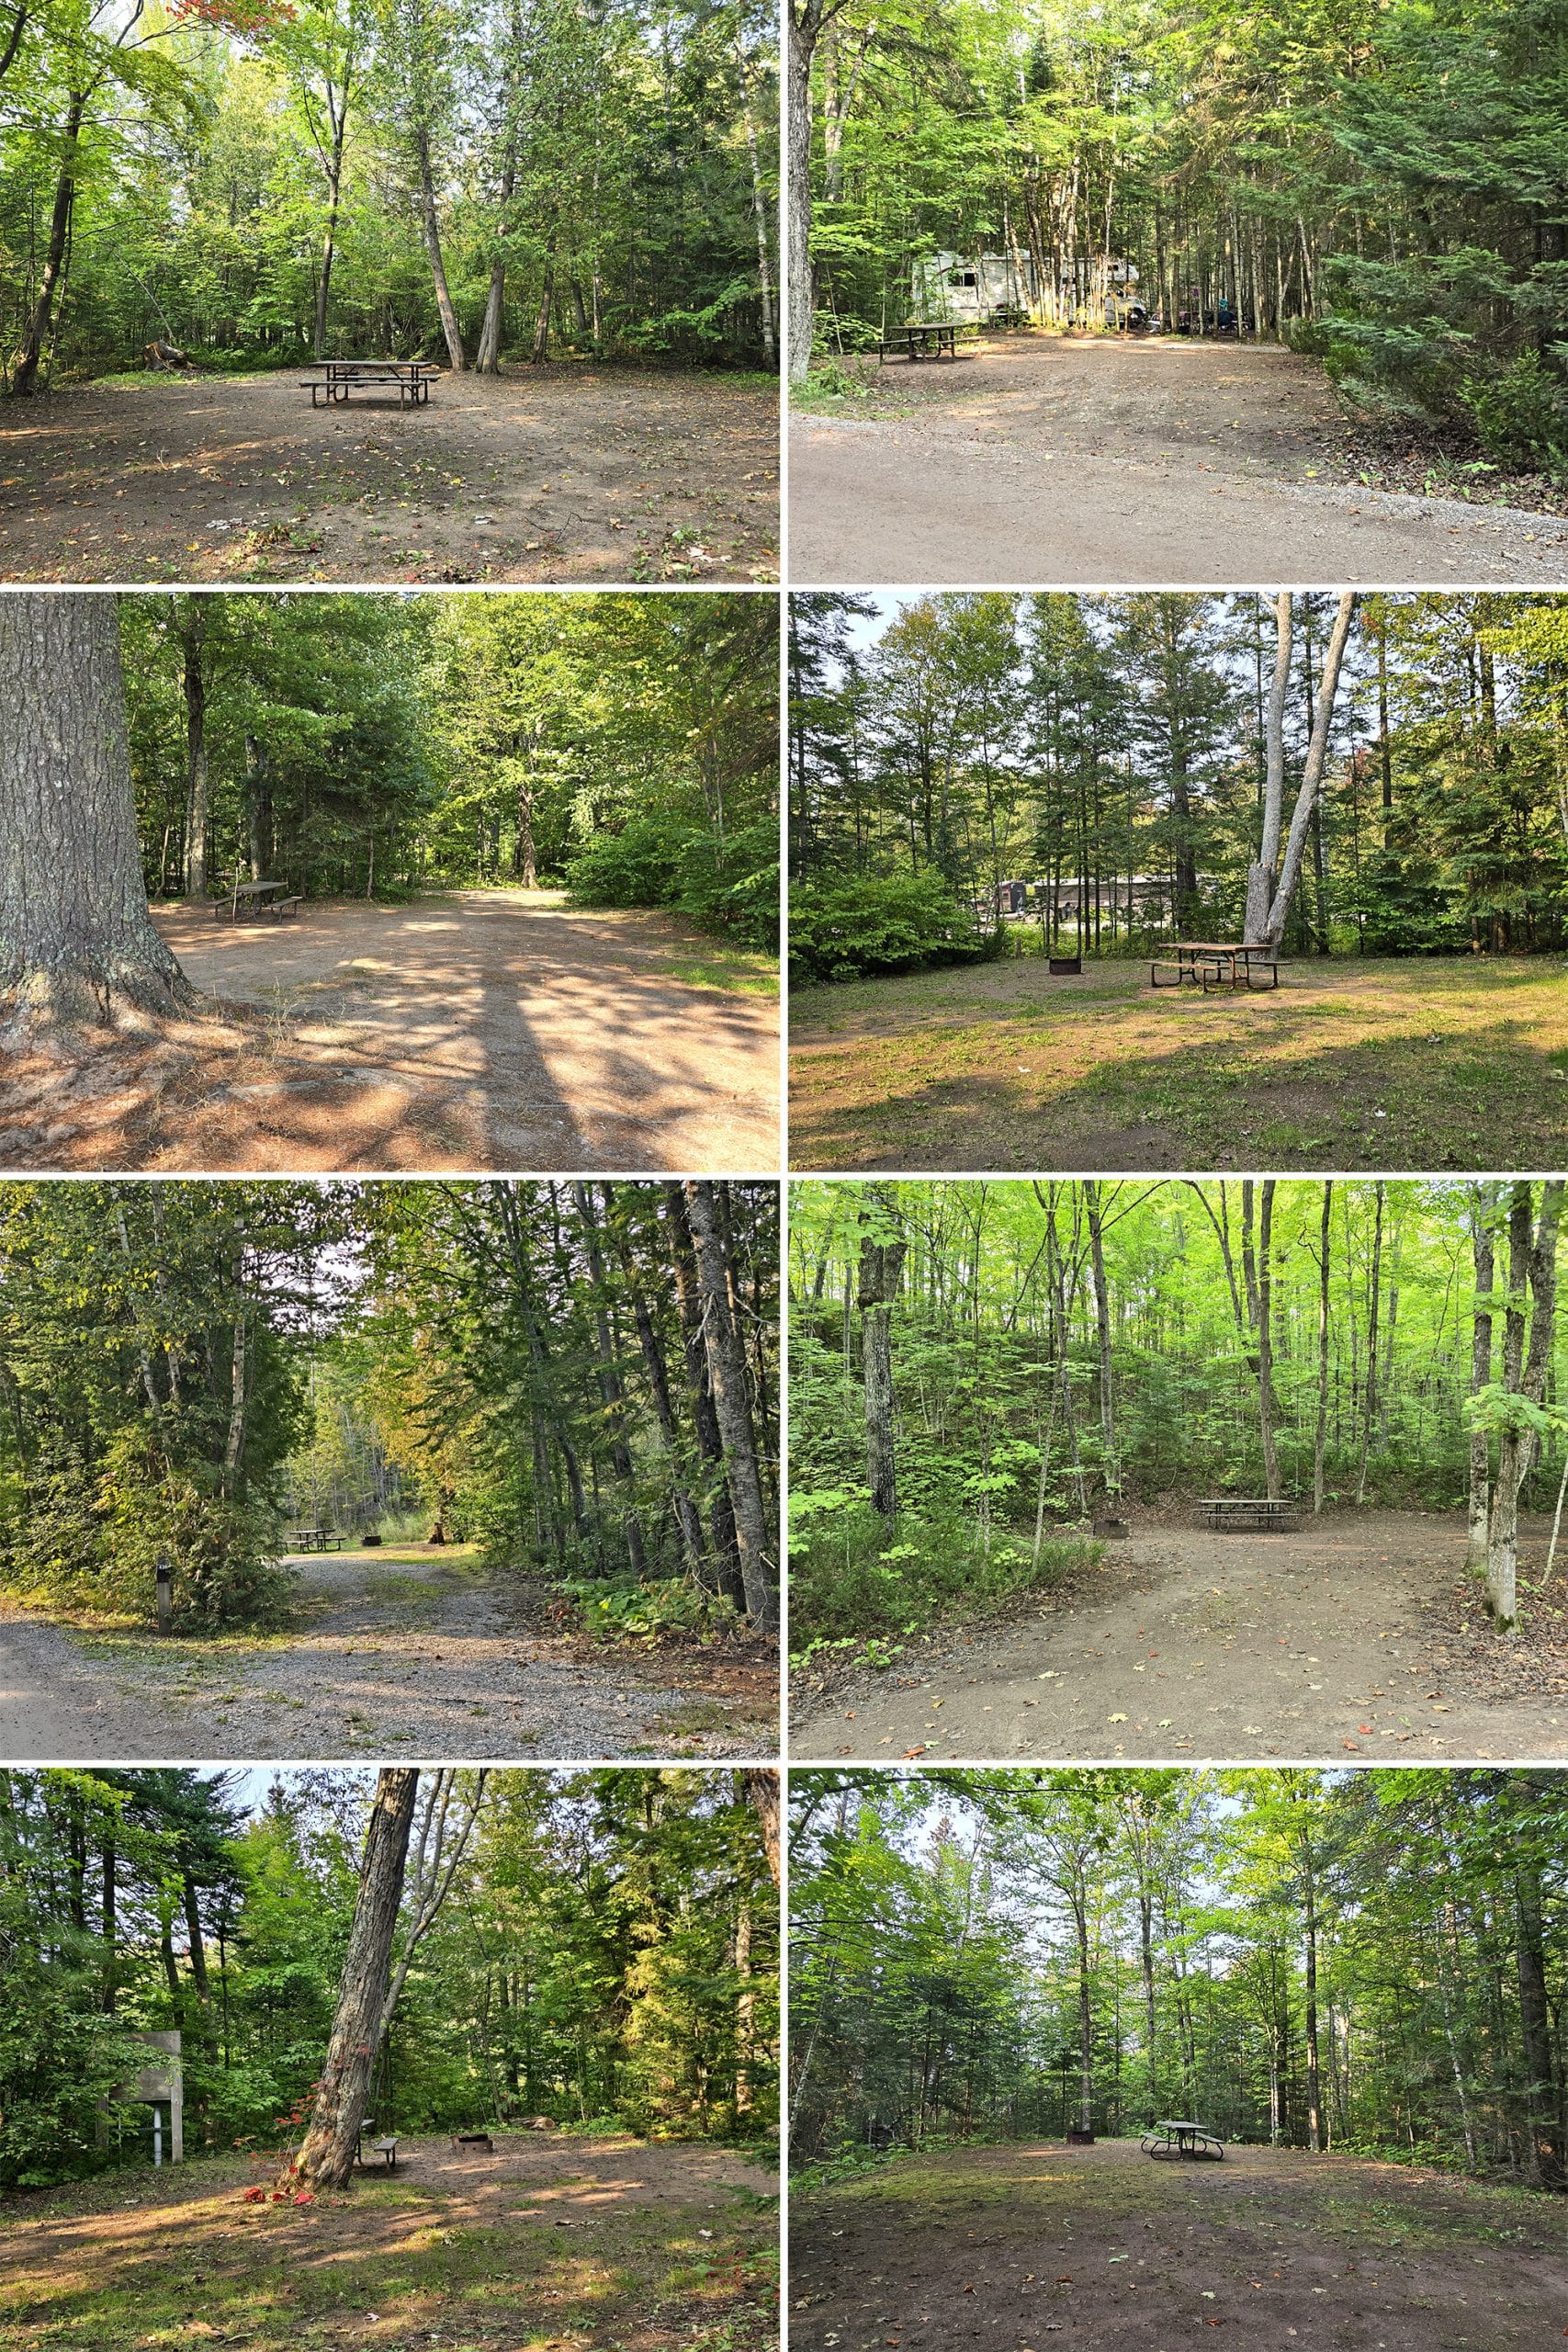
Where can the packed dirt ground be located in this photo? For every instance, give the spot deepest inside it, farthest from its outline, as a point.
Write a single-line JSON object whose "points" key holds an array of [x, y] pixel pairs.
{"points": [[483, 1029], [1353, 1062], [1118, 2251], [552, 2240], [401, 1652], [1084, 459], [570, 473], [1361, 1635]]}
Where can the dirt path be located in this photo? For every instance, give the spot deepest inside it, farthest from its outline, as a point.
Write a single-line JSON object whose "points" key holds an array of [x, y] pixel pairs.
{"points": [[489, 2253], [482, 1029], [1104, 460], [1343, 1639], [1353, 1062], [412, 1656], [569, 473], [1115, 2252]]}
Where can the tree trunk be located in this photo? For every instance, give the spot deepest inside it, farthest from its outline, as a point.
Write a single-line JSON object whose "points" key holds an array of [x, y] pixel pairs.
{"points": [[1321, 1434], [1532, 1266], [430, 228], [699, 1389], [1370, 1396], [331, 2141], [1109, 1472], [804, 24], [76, 940], [881, 1271], [1267, 905], [762, 1790], [333, 168], [1543, 2092], [259, 809], [36, 335], [759, 210], [1480, 1376], [1266, 1340], [732, 1404], [192, 628], [612, 1389]]}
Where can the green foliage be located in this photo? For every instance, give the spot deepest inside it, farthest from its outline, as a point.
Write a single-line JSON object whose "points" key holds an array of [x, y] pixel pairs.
{"points": [[585, 1966], [1520, 412], [725, 884], [846, 928], [855, 1578]]}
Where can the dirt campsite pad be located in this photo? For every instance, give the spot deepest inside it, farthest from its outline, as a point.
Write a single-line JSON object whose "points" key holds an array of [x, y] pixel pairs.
{"points": [[1103, 458], [1358, 1637], [394, 1653], [488, 1029], [1103, 2249], [570, 473], [553, 2240], [1354, 1063]]}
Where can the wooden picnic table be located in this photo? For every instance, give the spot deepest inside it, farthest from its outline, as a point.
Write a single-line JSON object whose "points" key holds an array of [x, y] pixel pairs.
{"points": [[921, 339], [1250, 1512], [1199, 960], [247, 898], [315, 1539], [1181, 2139], [338, 377]]}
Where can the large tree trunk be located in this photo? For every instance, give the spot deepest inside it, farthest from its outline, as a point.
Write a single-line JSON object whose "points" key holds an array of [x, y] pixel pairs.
{"points": [[758, 208], [727, 1373], [881, 1271], [612, 1389], [76, 940], [1268, 903], [35, 336], [762, 1789], [330, 2143], [1321, 1434], [1266, 1340], [333, 168], [699, 1390]]}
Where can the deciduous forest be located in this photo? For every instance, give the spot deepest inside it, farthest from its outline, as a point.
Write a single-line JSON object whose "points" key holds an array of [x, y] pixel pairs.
{"points": [[578, 1971], [1366, 1963], [251, 181], [580, 1379], [1102, 768], [1368, 187], [374, 746], [985, 1375]]}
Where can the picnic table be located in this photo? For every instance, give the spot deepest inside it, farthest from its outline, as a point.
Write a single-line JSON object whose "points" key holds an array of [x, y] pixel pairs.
{"points": [[1008, 314], [920, 339], [1179, 2139], [337, 378], [248, 899], [1250, 1514], [315, 1539], [387, 2146], [1225, 962]]}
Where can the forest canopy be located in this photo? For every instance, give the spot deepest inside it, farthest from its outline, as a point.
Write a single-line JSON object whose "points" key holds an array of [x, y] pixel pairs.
{"points": [[1107, 757], [378, 745], [603, 1954], [979, 1370], [580, 1378], [1367, 1961], [251, 181], [1381, 185]]}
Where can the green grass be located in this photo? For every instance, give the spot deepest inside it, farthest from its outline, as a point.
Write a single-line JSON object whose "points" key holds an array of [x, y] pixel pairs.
{"points": [[1373, 1063], [743, 971], [161, 2261]]}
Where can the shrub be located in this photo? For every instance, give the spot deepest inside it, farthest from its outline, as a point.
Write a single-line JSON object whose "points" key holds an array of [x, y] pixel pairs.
{"points": [[853, 925], [1521, 414], [728, 884], [852, 1577]]}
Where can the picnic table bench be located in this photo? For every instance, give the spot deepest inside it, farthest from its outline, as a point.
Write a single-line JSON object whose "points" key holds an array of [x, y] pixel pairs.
{"points": [[315, 1539], [1250, 1514], [1221, 962], [338, 377], [386, 2146], [247, 900], [920, 339], [1181, 2140]]}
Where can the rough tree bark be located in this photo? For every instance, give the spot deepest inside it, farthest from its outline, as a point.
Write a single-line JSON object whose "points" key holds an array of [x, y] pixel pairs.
{"points": [[76, 942], [725, 1352], [1532, 1276], [1543, 2090], [806, 22], [430, 229], [35, 336], [762, 1791], [1268, 901], [330, 2143]]}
